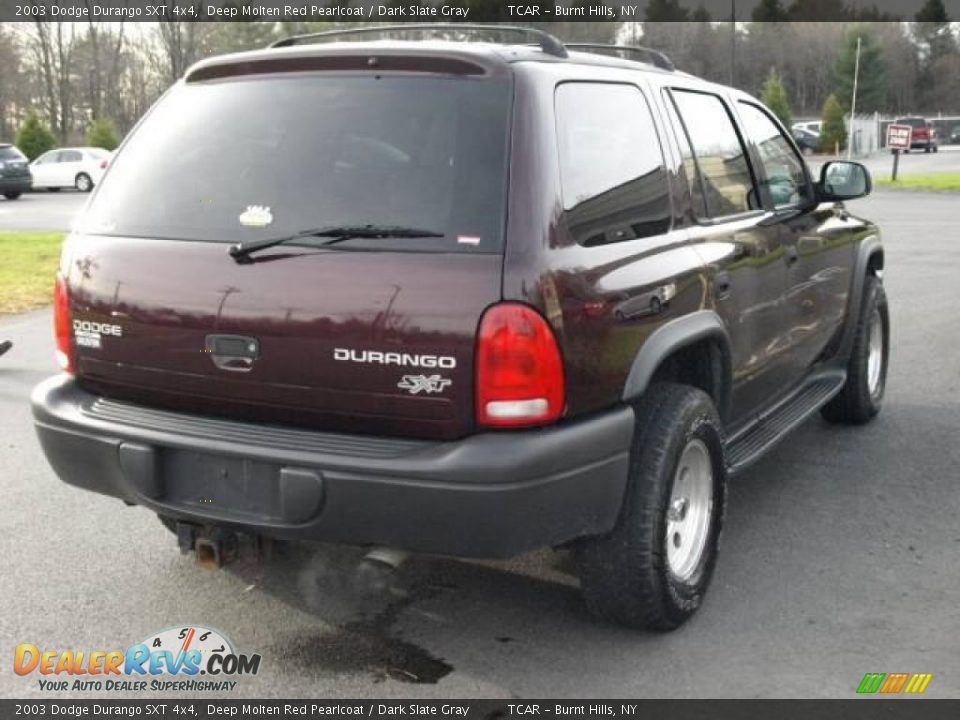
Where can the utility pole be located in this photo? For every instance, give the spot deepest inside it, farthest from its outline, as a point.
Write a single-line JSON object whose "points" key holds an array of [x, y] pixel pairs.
{"points": [[853, 101], [733, 42]]}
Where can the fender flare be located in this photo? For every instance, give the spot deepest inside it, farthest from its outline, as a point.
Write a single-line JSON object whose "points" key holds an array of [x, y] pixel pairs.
{"points": [[868, 248], [675, 335]]}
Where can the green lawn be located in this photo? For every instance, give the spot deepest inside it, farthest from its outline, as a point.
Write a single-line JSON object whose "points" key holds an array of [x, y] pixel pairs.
{"points": [[28, 265], [928, 181]]}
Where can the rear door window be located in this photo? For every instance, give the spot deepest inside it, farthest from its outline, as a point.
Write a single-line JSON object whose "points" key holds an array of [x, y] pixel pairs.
{"points": [[301, 152], [721, 160], [612, 170]]}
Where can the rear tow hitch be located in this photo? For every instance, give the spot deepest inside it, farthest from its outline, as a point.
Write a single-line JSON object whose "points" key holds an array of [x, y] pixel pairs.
{"points": [[214, 547]]}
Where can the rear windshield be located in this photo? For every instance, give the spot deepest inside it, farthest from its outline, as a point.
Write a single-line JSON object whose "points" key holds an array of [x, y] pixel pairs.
{"points": [[10, 153], [267, 157]]}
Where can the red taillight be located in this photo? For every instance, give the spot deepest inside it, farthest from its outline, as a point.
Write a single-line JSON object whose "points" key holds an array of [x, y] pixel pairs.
{"points": [[61, 324], [103, 164], [518, 366]]}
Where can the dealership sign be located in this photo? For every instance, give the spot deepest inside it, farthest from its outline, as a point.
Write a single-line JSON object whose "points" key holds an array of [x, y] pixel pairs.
{"points": [[898, 137]]}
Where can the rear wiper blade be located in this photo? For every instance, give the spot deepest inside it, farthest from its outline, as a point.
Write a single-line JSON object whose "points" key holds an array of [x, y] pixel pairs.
{"points": [[335, 234]]}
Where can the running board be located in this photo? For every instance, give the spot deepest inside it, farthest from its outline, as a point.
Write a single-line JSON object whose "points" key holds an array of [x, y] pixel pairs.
{"points": [[749, 445]]}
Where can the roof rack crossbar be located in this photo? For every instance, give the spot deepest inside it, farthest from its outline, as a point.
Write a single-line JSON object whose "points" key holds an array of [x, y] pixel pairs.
{"points": [[547, 42], [643, 54]]}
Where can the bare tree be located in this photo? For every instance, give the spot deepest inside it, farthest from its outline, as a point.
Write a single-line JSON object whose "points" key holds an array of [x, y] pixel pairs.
{"points": [[53, 52], [181, 43]]}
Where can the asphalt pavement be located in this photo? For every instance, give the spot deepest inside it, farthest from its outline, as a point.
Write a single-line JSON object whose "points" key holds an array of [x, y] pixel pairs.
{"points": [[841, 556], [41, 210]]}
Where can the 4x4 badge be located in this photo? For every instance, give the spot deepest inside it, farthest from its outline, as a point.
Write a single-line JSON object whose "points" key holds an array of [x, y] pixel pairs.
{"points": [[429, 384], [256, 216]]}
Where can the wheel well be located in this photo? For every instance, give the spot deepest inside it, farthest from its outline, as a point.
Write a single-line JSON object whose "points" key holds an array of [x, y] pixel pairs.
{"points": [[875, 264], [702, 364]]}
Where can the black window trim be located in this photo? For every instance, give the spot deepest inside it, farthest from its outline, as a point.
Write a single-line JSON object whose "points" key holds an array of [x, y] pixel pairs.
{"points": [[767, 199], [722, 219], [660, 140]]}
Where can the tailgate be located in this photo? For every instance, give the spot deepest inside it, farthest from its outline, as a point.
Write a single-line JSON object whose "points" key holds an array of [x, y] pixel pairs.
{"points": [[371, 342]]}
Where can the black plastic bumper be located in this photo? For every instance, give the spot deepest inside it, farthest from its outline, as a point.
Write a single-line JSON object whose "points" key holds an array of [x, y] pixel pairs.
{"points": [[16, 183], [489, 495]]}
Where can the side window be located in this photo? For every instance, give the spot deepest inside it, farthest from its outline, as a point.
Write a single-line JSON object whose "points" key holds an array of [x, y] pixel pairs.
{"points": [[690, 173], [69, 156], [786, 179], [612, 172], [727, 184], [47, 157]]}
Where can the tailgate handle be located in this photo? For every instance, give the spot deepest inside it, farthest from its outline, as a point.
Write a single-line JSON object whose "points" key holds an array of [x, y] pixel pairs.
{"points": [[233, 352]]}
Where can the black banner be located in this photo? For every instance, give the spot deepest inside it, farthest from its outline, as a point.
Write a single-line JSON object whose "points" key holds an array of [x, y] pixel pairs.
{"points": [[394, 11], [863, 709]]}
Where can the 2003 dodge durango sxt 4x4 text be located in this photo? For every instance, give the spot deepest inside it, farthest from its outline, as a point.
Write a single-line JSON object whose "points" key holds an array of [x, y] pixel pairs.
{"points": [[460, 298]]}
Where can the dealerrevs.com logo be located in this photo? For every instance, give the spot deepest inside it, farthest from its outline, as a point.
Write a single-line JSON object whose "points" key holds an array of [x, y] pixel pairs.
{"points": [[189, 658]]}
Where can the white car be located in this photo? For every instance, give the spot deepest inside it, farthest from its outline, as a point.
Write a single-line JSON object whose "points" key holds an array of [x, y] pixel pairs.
{"points": [[79, 168], [813, 126]]}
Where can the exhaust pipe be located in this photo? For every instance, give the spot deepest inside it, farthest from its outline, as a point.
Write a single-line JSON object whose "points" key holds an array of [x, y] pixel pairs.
{"points": [[374, 573], [391, 557]]}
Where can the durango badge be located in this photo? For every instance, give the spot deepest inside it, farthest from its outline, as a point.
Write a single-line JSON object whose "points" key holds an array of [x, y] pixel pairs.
{"points": [[256, 216]]}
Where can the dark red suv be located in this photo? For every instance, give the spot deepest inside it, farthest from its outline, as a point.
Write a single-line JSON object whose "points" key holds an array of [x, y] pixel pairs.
{"points": [[460, 298], [922, 136]]}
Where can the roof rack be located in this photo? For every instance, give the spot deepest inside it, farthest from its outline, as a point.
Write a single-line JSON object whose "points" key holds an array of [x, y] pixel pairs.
{"points": [[627, 52], [547, 42]]}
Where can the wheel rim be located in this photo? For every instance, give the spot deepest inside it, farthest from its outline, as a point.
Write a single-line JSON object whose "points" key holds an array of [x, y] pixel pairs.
{"points": [[689, 511], [875, 354], [83, 183]]}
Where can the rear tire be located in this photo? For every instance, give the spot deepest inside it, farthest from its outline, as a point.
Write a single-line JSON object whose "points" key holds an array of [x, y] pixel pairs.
{"points": [[652, 570], [11, 195], [862, 395], [84, 183]]}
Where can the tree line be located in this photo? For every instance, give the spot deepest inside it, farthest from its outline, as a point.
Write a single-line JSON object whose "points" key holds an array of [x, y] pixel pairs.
{"points": [[91, 81]]}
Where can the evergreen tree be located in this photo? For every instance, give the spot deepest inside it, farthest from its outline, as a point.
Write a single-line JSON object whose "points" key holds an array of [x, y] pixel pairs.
{"points": [[833, 133], [34, 138], [871, 84], [769, 11], [101, 133], [934, 32], [666, 11], [774, 96], [701, 15]]}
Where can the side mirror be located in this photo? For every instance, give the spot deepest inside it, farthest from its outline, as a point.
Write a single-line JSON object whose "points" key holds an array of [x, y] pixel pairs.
{"points": [[842, 180]]}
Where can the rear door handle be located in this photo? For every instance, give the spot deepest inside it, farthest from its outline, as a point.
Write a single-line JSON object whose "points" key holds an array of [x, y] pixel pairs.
{"points": [[236, 353]]}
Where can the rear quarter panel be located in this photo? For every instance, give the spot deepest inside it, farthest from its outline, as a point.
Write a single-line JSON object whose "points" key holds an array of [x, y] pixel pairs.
{"points": [[589, 294]]}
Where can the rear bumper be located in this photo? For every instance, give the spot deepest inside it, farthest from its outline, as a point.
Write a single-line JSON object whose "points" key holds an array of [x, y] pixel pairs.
{"points": [[489, 495], [18, 183]]}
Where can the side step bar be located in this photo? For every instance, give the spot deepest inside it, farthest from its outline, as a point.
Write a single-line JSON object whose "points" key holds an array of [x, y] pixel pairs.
{"points": [[749, 445]]}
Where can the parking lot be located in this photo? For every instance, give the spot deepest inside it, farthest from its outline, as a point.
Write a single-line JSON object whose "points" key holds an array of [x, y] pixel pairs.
{"points": [[840, 555], [41, 210]]}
